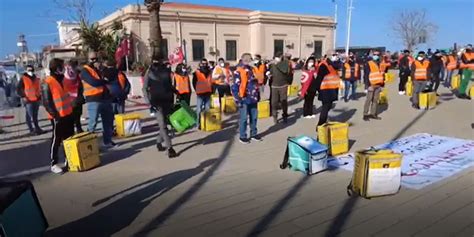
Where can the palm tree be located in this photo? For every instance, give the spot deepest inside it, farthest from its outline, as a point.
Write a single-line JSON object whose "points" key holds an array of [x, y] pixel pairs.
{"points": [[153, 7]]}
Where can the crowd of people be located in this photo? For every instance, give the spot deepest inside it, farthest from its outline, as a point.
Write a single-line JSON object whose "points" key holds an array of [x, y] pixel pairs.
{"points": [[103, 88]]}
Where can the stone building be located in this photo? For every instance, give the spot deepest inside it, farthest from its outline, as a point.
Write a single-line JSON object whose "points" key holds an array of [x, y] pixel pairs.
{"points": [[213, 32]]}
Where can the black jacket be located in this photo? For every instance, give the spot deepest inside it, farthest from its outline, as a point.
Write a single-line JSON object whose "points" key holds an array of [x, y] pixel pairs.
{"points": [[404, 66], [436, 64], [20, 88], [158, 86], [47, 97]]}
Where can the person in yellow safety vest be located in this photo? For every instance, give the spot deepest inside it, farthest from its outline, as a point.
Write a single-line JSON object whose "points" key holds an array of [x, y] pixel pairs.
{"points": [[221, 79], [182, 83], [28, 89], [467, 66], [375, 75], [58, 104], [350, 74], [98, 99], [328, 81], [420, 74], [452, 64], [202, 84], [260, 72]]}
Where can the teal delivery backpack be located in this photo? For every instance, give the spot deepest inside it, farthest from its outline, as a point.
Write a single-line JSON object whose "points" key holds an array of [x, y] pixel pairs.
{"points": [[305, 154]]}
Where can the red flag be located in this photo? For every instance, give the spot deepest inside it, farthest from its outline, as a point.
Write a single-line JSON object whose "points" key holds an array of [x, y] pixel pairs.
{"points": [[177, 56], [122, 51]]}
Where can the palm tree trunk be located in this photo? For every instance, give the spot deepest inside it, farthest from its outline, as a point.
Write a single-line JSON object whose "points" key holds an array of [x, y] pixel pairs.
{"points": [[153, 7]]}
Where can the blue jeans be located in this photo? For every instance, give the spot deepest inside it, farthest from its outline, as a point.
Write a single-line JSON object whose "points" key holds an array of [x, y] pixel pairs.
{"points": [[119, 107], [246, 111], [203, 103], [447, 82], [348, 84], [104, 109], [32, 115]]}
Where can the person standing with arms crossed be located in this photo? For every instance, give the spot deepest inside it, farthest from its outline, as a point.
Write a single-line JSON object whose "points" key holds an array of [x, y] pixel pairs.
{"points": [[58, 104], [375, 76], [98, 99]]}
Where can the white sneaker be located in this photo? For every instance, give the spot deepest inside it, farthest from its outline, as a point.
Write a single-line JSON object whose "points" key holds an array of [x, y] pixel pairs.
{"points": [[56, 169], [83, 119], [308, 117], [152, 114], [366, 91], [313, 116]]}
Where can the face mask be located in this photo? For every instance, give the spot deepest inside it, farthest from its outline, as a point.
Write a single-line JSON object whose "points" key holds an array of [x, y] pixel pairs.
{"points": [[184, 70], [334, 58], [277, 60], [204, 68], [376, 57], [420, 58], [29, 73], [311, 64], [222, 64]]}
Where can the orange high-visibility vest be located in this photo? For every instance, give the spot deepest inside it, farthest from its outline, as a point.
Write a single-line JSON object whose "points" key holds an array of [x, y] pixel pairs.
{"points": [[469, 57], [32, 88], [348, 75], [452, 63], [421, 70], [182, 83], [244, 79], [61, 98], [88, 89], [122, 79], [203, 83], [259, 73], [332, 80], [376, 75], [71, 86]]}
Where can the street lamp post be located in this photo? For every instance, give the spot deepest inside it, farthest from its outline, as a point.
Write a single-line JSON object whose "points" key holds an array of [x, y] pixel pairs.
{"points": [[349, 5], [335, 23]]}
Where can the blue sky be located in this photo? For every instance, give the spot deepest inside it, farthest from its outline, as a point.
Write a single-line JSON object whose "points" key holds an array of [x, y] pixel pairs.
{"points": [[371, 18]]}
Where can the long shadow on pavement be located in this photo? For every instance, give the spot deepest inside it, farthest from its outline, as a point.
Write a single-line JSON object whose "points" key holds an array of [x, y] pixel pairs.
{"points": [[126, 205], [338, 223], [340, 219], [171, 209]]}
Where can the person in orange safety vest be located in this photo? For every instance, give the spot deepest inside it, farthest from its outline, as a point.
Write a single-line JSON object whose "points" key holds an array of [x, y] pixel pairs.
{"points": [[373, 71], [202, 83], [420, 74], [28, 89], [58, 104], [182, 83]]}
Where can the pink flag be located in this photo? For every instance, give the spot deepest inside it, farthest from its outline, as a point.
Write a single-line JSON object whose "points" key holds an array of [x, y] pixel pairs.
{"points": [[177, 56]]}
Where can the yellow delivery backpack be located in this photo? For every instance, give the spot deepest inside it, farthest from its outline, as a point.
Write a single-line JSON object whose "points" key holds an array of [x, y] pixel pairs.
{"points": [[263, 108], [82, 151], [211, 120], [336, 136], [376, 173], [428, 100]]}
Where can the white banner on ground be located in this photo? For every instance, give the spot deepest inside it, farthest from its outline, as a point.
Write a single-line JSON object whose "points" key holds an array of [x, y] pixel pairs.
{"points": [[426, 158]]}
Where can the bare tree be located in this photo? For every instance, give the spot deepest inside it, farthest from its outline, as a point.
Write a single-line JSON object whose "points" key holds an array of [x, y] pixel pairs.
{"points": [[80, 9], [413, 28], [153, 7]]}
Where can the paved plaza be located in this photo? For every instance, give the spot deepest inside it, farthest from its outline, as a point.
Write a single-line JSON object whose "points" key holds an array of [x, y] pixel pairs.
{"points": [[219, 187]]}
